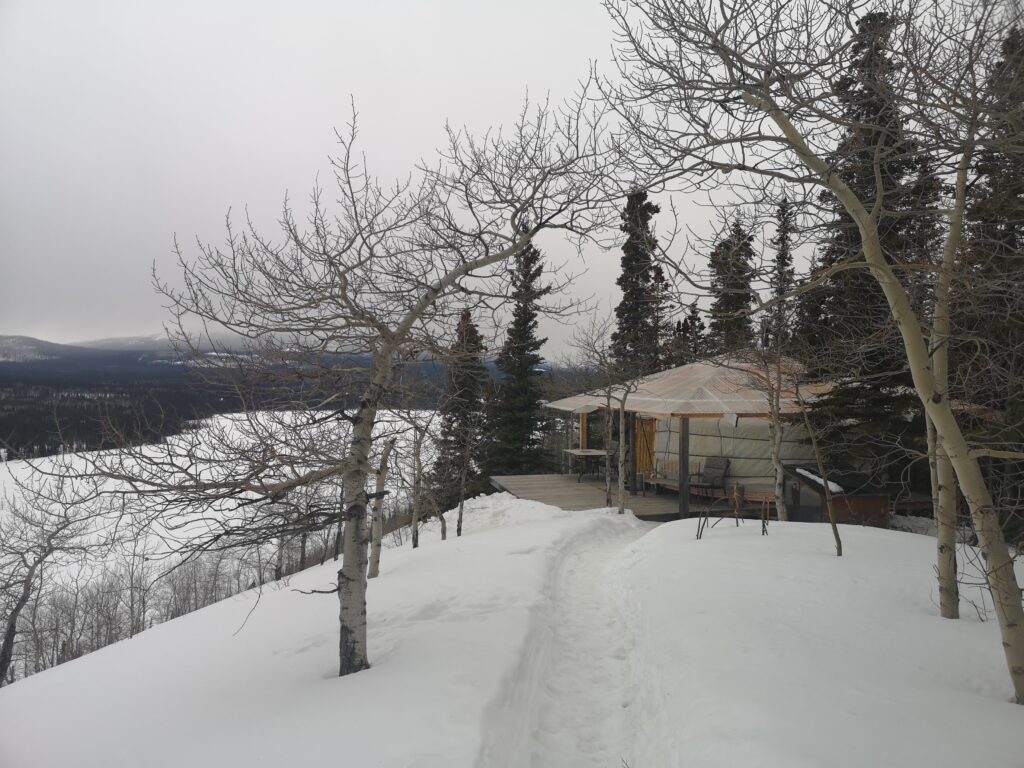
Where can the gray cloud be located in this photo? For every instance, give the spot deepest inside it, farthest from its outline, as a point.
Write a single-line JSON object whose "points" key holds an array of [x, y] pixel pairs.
{"points": [[124, 122]]}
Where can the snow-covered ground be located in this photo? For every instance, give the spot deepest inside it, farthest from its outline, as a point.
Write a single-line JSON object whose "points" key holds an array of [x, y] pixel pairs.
{"points": [[548, 638]]}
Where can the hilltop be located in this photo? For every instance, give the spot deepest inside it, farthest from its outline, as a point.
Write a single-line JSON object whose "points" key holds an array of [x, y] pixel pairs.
{"points": [[543, 637]]}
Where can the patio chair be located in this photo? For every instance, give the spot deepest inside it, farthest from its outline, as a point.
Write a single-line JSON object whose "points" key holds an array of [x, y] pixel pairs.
{"points": [[712, 474]]}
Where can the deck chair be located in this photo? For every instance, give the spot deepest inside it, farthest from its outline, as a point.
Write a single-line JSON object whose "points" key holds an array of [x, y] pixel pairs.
{"points": [[712, 474]]}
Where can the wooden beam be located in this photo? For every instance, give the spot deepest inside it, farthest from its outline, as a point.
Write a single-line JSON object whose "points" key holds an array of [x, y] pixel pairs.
{"points": [[684, 466], [583, 430]]}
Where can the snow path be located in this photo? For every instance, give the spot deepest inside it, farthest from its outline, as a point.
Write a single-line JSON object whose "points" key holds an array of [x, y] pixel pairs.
{"points": [[569, 702]]}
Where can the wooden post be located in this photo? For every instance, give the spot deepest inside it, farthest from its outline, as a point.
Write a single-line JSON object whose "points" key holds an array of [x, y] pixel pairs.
{"points": [[583, 430], [684, 467]]}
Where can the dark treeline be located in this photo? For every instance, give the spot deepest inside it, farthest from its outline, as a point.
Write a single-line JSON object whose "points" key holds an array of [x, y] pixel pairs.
{"points": [[48, 407], [45, 410]]}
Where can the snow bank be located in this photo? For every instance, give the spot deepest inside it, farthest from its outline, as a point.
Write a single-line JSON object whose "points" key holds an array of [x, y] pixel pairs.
{"points": [[252, 681], [770, 651], [913, 524]]}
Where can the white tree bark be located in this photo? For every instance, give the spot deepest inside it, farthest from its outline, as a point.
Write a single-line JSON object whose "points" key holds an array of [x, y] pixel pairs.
{"points": [[944, 508], [417, 484], [462, 496], [608, 431], [623, 447], [776, 432], [377, 533], [775, 447], [352, 648]]}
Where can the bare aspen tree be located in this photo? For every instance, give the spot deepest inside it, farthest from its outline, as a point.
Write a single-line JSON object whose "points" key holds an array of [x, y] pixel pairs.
{"points": [[741, 92], [830, 506], [777, 377], [419, 494], [349, 292], [43, 522], [603, 375]]}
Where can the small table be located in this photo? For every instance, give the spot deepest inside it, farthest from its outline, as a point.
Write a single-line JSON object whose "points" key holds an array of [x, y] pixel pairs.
{"points": [[588, 455]]}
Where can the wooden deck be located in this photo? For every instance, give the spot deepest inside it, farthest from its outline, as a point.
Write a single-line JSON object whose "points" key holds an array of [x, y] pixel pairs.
{"points": [[563, 491]]}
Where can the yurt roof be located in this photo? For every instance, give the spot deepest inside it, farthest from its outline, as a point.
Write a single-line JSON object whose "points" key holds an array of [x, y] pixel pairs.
{"points": [[711, 389]]}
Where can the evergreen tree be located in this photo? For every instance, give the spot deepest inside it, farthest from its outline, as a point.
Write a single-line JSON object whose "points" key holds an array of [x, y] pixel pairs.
{"points": [[456, 470], [781, 280], [732, 269], [688, 342], [641, 317], [987, 309], [990, 315], [809, 324], [844, 326], [874, 158], [515, 419], [662, 308]]}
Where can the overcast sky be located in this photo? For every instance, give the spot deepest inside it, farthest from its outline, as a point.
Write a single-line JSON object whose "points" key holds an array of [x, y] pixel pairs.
{"points": [[125, 122]]}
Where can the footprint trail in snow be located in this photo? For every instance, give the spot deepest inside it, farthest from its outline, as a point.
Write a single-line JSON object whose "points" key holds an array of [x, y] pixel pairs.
{"points": [[569, 702]]}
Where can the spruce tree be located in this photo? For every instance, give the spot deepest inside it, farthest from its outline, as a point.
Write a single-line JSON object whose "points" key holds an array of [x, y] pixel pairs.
{"points": [[688, 342], [641, 317], [990, 316], [874, 158], [987, 309], [781, 279], [845, 327], [732, 269], [810, 325], [515, 419], [456, 469]]}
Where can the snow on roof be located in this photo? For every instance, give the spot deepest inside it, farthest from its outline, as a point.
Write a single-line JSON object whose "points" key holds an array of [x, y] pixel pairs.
{"points": [[832, 487], [712, 388]]}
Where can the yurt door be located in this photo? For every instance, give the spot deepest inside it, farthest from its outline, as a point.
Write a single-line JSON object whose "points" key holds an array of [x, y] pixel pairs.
{"points": [[645, 442]]}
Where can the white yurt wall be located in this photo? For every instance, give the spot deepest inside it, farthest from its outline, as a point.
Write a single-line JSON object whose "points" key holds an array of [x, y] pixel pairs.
{"points": [[744, 442]]}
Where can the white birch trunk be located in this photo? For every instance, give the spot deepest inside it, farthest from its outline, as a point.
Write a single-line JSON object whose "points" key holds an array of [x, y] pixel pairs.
{"points": [[462, 496], [353, 652], [607, 451], [417, 486], [780, 474], [377, 532], [944, 508], [776, 432], [622, 457]]}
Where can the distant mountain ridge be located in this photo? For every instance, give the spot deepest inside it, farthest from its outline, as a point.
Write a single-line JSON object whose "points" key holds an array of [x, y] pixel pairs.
{"points": [[150, 343], [26, 349]]}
